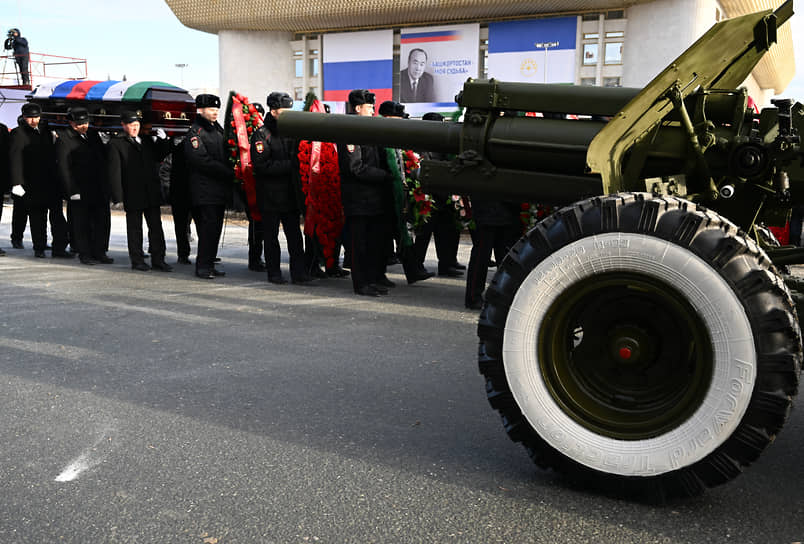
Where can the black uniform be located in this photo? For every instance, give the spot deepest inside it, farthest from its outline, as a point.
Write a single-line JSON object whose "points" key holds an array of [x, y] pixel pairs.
{"points": [[210, 180], [31, 159], [5, 179], [442, 228], [497, 230], [134, 180], [81, 162], [179, 198], [278, 196], [365, 190]]}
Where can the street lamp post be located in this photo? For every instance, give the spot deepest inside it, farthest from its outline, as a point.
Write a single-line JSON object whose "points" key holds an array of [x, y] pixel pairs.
{"points": [[545, 46], [181, 68]]}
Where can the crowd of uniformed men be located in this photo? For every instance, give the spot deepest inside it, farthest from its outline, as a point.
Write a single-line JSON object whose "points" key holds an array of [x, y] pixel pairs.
{"points": [[42, 168]]}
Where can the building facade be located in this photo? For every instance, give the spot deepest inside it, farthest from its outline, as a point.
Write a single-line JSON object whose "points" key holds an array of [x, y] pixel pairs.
{"points": [[326, 46]]}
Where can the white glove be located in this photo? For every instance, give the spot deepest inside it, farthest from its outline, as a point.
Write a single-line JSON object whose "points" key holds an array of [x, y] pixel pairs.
{"points": [[75, 197], [160, 134], [17, 190]]}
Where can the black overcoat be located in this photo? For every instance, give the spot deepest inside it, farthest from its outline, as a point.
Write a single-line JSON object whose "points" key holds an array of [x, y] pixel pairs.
{"points": [[275, 170], [81, 164], [133, 171], [211, 175], [31, 161]]}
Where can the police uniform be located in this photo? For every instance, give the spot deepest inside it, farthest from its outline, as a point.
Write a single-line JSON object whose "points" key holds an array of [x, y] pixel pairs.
{"points": [[81, 160], [32, 166], [364, 192], [278, 193], [134, 180], [210, 177]]}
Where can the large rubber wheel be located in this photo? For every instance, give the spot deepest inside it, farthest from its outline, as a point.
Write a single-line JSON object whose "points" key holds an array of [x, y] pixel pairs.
{"points": [[640, 345]]}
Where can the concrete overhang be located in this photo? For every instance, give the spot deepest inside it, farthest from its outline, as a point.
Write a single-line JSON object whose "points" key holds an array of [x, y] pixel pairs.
{"points": [[328, 15]]}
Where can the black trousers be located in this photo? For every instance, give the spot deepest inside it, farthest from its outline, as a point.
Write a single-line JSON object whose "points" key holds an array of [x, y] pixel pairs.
{"points": [[156, 236], [181, 225], [209, 225], [89, 228], [256, 236], [442, 228], [290, 224], [19, 218], [22, 63], [368, 235], [38, 214], [486, 240]]}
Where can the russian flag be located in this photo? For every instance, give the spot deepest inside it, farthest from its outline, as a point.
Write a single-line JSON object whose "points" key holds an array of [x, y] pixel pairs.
{"points": [[427, 37], [533, 51], [358, 60]]}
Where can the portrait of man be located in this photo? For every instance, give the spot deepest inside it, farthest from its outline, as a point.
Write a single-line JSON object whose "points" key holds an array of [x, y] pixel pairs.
{"points": [[416, 85]]}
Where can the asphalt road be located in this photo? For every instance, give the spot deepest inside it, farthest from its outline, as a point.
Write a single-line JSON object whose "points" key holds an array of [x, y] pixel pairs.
{"points": [[152, 407]]}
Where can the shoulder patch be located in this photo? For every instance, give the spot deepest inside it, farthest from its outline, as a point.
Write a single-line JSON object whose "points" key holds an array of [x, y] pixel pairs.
{"points": [[350, 148], [194, 142], [259, 147]]}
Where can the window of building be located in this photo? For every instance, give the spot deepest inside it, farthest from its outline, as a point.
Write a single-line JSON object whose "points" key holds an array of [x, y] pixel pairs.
{"points": [[591, 36], [314, 67], [299, 67], [616, 34], [588, 81], [611, 82], [616, 14], [313, 51], [590, 16], [589, 54], [614, 53]]}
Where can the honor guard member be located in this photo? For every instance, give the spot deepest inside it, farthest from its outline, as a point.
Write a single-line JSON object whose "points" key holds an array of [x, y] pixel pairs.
{"points": [[179, 197], [397, 216], [277, 184], [210, 179], [442, 224], [81, 161], [31, 160], [365, 187], [5, 180], [133, 171]]}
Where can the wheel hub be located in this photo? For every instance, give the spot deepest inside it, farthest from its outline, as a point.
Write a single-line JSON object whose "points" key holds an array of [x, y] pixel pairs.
{"points": [[625, 355]]}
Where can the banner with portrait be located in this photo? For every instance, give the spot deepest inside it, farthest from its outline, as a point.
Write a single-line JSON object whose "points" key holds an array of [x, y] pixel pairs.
{"points": [[434, 64]]}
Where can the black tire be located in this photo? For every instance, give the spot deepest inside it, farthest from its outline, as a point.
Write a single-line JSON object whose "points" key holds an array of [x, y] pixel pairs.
{"points": [[559, 394]]}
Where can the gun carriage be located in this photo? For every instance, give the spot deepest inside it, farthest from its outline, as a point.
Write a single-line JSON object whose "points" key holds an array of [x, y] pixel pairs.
{"points": [[642, 337]]}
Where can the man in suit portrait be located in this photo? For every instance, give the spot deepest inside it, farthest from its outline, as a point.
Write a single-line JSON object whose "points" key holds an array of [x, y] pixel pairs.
{"points": [[415, 85]]}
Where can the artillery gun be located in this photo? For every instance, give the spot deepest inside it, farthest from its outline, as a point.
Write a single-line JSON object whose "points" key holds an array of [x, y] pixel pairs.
{"points": [[642, 337]]}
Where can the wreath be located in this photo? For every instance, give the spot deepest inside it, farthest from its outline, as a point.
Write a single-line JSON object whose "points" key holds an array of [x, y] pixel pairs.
{"points": [[241, 120], [321, 185]]}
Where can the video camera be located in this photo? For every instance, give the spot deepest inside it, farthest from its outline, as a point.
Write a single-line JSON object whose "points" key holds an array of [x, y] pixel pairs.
{"points": [[9, 43]]}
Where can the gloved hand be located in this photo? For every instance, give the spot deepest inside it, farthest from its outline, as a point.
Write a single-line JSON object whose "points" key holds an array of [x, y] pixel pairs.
{"points": [[75, 197], [160, 134], [18, 190]]}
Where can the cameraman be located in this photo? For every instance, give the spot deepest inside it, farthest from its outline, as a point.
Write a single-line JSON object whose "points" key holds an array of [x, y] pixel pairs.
{"points": [[20, 46]]}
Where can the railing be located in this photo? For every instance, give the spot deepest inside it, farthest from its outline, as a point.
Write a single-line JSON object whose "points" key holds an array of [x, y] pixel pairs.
{"points": [[41, 68]]}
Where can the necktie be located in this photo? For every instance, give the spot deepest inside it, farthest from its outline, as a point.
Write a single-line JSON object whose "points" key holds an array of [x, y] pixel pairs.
{"points": [[415, 84]]}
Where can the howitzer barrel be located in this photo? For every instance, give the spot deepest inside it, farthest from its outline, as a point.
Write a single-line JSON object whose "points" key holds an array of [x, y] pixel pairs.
{"points": [[521, 143], [353, 129]]}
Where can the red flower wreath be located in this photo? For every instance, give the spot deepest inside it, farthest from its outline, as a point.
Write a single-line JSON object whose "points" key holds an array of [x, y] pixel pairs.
{"points": [[322, 192]]}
